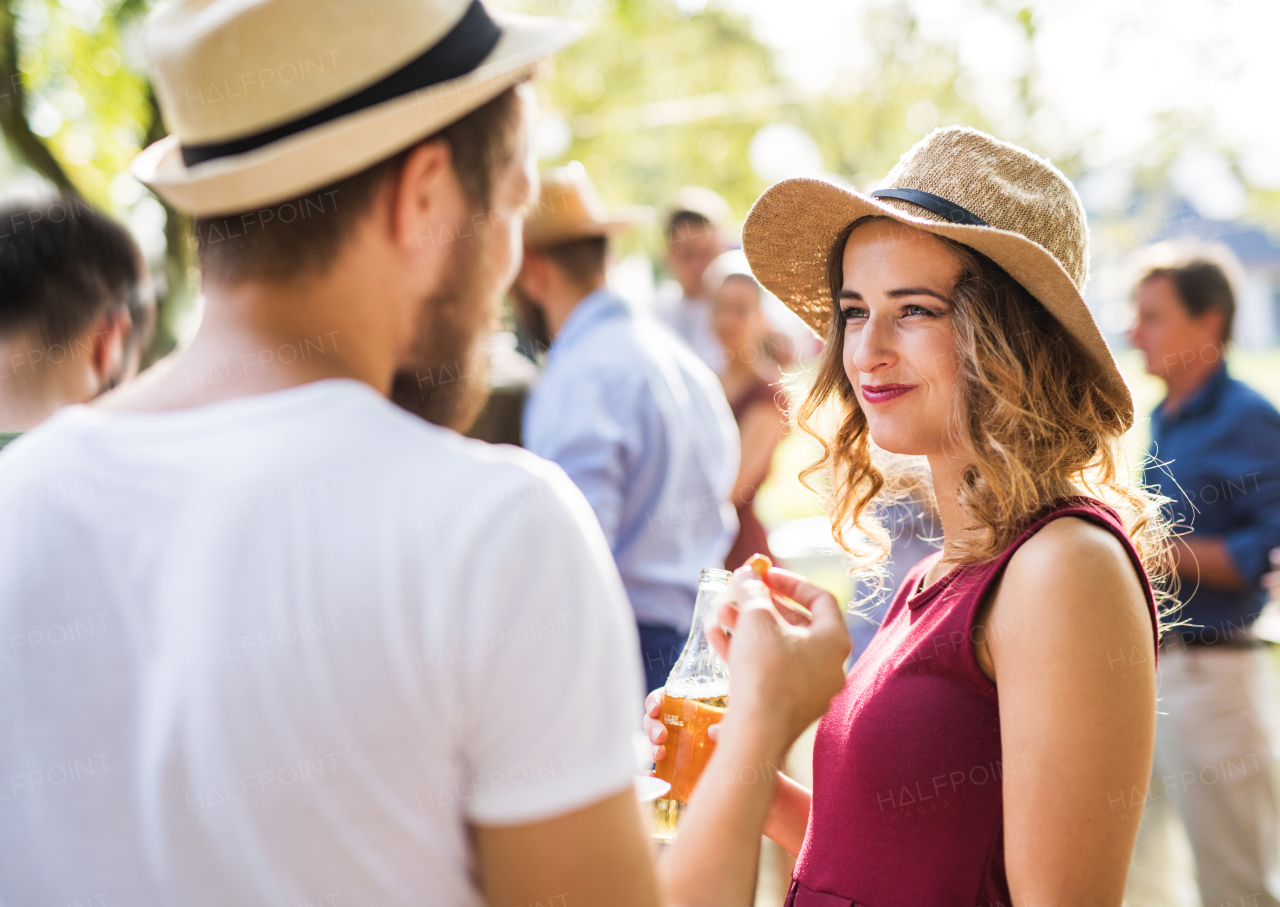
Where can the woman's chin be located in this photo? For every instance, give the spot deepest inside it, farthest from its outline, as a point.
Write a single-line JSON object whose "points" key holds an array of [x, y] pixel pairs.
{"points": [[903, 443]]}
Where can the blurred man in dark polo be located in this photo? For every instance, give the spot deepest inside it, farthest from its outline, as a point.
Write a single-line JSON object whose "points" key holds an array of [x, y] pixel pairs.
{"points": [[640, 425], [1215, 448], [76, 310]]}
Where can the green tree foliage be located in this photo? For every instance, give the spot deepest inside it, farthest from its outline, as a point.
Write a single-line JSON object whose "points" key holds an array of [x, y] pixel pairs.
{"points": [[90, 108], [655, 99]]}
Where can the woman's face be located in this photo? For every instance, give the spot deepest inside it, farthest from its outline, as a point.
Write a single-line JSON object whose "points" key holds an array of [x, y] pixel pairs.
{"points": [[736, 317], [899, 351]]}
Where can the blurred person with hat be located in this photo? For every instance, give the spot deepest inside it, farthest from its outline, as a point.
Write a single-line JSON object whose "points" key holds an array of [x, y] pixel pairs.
{"points": [[78, 309], [638, 423], [1215, 453], [984, 750], [249, 569], [697, 231]]}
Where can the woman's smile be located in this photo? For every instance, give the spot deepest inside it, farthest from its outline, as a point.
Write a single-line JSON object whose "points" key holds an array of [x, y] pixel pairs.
{"points": [[883, 393]]}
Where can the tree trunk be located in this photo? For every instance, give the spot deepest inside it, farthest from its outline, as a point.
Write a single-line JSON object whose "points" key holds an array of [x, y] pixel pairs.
{"points": [[13, 117]]}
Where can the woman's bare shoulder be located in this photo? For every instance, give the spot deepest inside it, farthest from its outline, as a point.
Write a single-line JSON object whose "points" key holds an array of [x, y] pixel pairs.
{"points": [[1075, 580], [1072, 541]]}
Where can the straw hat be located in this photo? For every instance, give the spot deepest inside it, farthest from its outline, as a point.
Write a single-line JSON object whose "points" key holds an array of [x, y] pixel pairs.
{"points": [[269, 99], [999, 199], [569, 208]]}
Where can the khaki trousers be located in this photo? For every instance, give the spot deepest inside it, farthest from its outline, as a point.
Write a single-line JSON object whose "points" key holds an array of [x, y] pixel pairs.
{"points": [[1214, 777]]}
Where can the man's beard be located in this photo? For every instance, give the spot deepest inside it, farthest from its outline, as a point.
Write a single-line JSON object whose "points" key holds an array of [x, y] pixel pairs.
{"points": [[446, 378]]}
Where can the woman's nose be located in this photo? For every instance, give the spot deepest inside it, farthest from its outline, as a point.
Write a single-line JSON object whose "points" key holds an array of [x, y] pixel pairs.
{"points": [[873, 346]]}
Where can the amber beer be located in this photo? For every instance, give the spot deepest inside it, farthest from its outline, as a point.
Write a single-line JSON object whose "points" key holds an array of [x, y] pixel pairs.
{"points": [[694, 698], [688, 749]]}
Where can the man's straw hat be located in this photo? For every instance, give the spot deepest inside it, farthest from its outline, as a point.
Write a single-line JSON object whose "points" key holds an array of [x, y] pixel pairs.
{"points": [[569, 208], [998, 199], [269, 99]]}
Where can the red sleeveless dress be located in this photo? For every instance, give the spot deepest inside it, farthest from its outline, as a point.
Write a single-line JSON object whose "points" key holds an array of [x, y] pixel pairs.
{"points": [[907, 805]]}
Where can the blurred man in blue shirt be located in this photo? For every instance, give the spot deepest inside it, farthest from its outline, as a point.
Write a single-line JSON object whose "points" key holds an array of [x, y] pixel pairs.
{"points": [[1215, 451], [638, 423]]}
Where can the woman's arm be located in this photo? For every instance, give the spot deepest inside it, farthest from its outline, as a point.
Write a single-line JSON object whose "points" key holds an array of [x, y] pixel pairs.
{"points": [[789, 816], [1070, 643], [761, 428]]}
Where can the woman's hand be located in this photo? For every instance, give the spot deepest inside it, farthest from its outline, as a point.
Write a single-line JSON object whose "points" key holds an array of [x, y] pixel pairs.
{"points": [[785, 641], [789, 596]]}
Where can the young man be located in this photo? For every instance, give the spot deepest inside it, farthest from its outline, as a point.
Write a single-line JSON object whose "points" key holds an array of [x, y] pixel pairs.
{"points": [[696, 230], [1215, 448], [269, 639], [77, 312], [639, 424]]}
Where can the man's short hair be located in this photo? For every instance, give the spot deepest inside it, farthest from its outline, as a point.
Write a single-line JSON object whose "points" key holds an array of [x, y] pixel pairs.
{"points": [[1202, 286], [581, 260], [681, 222], [305, 234], [62, 265]]}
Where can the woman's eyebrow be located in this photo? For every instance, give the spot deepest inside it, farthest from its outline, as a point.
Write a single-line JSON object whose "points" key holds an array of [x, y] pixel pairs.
{"points": [[916, 291], [897, 294]]}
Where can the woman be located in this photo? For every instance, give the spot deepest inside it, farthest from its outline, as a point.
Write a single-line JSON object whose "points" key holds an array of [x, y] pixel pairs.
{"points": [[993, 744], [750, 381]]}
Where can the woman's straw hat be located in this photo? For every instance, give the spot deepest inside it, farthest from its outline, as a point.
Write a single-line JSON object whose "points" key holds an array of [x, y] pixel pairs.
{"points": [[569, 208], [270, 99], [998, 199]]}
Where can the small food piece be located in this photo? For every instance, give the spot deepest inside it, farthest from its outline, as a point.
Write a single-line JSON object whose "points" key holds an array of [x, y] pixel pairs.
{"points": [[760, 563]]}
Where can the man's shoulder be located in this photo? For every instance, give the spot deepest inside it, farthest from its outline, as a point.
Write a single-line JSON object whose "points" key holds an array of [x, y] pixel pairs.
{"points": [[380, 451], [604, 356], [1247, 405]]}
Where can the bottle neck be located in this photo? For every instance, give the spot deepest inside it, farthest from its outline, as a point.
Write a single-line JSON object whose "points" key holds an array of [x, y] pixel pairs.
{"points": [[699, 666]]}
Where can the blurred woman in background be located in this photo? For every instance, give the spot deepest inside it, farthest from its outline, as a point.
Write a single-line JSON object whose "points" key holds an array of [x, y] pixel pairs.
{"points": [[751, 383]]}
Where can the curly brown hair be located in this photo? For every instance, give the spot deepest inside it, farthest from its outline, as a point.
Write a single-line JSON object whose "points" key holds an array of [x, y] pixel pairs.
{"points": [[1028, 413]]}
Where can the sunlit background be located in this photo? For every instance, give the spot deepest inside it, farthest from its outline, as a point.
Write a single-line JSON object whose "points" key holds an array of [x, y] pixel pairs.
{"points": [[1164, 114]]}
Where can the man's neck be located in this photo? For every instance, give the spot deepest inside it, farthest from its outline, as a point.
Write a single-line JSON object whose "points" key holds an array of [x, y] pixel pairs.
{"points": [[34, 387], [26, 407], [258, 337], [564, 303], [1182, 384]]}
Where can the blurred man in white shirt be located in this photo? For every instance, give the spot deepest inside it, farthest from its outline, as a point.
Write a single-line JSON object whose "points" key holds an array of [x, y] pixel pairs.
{"points": [[697, 233]]}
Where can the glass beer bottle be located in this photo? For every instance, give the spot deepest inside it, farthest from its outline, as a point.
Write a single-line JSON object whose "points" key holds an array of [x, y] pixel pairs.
{"points": [[694, 698]]}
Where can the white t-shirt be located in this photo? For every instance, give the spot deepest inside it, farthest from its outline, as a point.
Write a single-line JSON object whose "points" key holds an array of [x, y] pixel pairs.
{"points": [[282, 650]]}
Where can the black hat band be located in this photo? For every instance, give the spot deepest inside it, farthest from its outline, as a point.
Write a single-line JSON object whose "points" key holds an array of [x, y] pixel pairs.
{"points": [[935, 203], [456, 54]]}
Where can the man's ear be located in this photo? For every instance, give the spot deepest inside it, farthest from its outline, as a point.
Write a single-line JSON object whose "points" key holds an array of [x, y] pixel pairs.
{"points": [[533, 274], [110, 335], [425, 196], [1214, 322]]}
